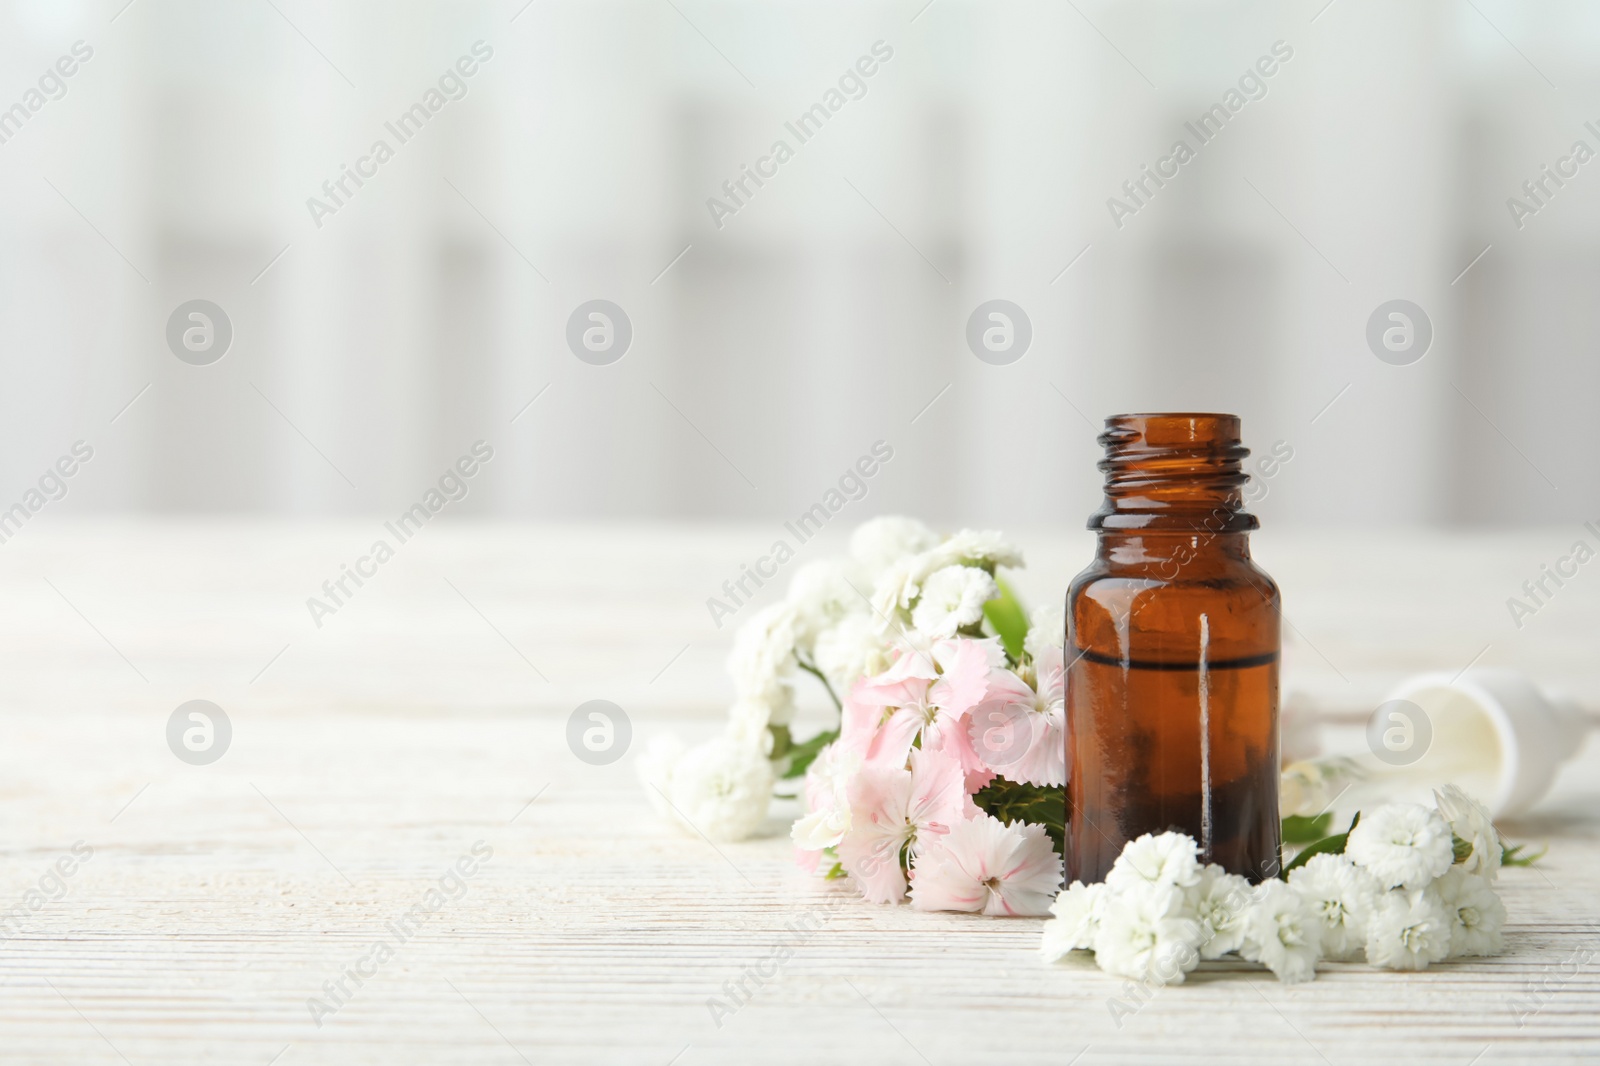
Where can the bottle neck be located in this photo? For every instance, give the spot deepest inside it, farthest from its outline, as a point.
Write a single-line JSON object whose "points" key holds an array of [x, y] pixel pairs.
{"points": [[1173, 473], [1165, 554]]}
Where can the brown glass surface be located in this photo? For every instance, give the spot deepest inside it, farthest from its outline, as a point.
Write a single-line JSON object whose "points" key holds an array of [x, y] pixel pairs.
{"points": [[1172, 646]]}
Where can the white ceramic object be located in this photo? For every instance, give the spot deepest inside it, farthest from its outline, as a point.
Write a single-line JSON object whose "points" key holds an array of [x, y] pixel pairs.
{"points": [[1495, 733]]}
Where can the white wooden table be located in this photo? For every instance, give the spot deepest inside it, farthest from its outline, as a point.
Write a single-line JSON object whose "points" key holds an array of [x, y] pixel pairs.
{"points": [[424, 716]]}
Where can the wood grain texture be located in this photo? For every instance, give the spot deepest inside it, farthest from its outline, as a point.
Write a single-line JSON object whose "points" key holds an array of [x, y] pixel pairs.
{"points": [[425, 715]]}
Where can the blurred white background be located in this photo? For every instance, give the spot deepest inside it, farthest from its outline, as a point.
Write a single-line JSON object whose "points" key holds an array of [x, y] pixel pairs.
{"points": [[768, 353]]}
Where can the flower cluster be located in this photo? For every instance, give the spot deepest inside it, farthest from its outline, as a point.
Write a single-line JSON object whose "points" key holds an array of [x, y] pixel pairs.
{"points": [[1410, 886], [901, 801], [942, 782]]}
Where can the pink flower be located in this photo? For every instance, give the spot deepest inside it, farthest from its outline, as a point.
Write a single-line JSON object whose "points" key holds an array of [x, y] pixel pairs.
{"points": [[807, 860], [894, 810], [1019, 731], [924, 694], [985, 865]]}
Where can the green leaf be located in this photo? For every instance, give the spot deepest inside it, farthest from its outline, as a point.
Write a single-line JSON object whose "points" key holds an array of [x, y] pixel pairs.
{"points": [[782, 741], [1300, 829], [1010, 621], [1010, 801], [1333, 845], [803, 754], [1512, 856], [1460, 849]]}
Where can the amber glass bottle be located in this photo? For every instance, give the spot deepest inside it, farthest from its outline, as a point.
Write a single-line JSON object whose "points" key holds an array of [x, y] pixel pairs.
{"points": [[1172, 653]]}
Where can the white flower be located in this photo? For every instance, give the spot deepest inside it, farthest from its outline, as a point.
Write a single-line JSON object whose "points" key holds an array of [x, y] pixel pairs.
{"points": [[1298, 792], [879, 543], [1342, 896], [1307, 789], [762, 661], [828, 798], [721, 789], [1148, 934], [986, 547], [822, 594], [1047, 631], [900, 584], [1220, 901], [850, 650], [1470, 821], [1408, 929], [655, 767], [1167, 859], [952, 598], [1402, 844], [747, 724], [1281, 933], [1077, 918], [1299, 734], [1476, 913], [985, 865]]}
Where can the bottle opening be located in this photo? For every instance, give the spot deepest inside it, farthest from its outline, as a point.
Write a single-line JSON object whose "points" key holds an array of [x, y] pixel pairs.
{"points": [[1174, 471]]}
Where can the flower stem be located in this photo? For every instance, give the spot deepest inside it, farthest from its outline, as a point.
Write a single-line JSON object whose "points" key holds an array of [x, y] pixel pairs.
{"points": [[811, 668]]}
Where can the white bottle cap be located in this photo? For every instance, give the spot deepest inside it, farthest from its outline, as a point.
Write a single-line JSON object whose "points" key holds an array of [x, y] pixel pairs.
{"points": [[1495, 734]]}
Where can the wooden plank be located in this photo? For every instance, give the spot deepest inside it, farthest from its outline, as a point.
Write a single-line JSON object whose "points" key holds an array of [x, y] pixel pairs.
{"points": [[377, 750]]}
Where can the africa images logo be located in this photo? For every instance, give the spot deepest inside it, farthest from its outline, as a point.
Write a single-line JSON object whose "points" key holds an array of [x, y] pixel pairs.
{"points": [[1206, 128], [452, 85]]}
